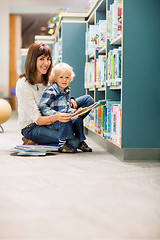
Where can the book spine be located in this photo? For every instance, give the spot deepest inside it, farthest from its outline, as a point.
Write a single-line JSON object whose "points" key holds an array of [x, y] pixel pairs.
{"points": [[99, 112], [105, 123]]}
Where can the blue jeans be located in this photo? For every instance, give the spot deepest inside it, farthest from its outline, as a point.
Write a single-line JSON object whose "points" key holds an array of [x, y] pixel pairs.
{"points": [[84, 101], [69, 130], [45, 136]]}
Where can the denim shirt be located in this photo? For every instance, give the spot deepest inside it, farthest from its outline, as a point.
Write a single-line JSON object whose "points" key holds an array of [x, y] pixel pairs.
{"points": [[53, 101]]}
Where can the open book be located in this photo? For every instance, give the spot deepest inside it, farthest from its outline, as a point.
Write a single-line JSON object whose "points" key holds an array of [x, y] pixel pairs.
{"points": [[86, 109]]}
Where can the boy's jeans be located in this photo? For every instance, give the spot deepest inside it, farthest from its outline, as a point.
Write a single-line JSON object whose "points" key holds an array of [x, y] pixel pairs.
{"points": [[69, 130]]}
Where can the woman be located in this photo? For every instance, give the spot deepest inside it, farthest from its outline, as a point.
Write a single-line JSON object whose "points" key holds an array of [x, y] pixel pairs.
{"points": [[29, 89]]}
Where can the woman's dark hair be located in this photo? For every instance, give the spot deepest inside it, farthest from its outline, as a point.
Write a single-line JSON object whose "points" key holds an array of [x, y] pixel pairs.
{"points": [[34, 51]]}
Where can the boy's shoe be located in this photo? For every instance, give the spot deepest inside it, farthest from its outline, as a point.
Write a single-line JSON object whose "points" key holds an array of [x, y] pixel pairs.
{"points": [[66, 148], [84, 147]]}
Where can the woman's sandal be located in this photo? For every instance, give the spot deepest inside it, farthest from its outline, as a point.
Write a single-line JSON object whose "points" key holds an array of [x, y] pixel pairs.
{"points": [[26, 141]]}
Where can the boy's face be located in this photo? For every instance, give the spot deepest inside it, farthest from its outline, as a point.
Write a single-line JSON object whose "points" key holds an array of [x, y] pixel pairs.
{"points": [[63, 80]]}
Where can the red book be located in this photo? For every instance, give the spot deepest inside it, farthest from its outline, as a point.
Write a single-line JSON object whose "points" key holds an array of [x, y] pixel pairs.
{"points": [[99, 112]]}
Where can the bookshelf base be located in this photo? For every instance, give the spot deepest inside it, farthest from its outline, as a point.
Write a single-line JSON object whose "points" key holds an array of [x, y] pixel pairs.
{"points": [[125, 154]]}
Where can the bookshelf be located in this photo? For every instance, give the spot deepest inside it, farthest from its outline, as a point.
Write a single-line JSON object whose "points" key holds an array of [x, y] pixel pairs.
{"points": [[138, 92], [70, 38]]}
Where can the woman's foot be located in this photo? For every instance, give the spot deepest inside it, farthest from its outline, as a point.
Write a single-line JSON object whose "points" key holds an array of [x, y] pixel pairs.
{"points": [[26, 141], [84, 147]]}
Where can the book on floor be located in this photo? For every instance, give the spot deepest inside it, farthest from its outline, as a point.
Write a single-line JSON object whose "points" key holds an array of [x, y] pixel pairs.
{"points": [[33, 150]]}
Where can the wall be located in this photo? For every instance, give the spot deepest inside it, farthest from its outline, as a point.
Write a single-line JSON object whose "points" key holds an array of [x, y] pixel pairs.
{"points": [[4, 43], [22, 7]]}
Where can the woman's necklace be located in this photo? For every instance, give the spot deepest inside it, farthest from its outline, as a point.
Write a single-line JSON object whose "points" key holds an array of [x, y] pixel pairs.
{"points": [[39, 80]]}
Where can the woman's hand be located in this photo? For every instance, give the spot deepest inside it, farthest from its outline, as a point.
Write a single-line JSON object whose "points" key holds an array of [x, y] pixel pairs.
{"points": [[63, 117], [47, 120]]}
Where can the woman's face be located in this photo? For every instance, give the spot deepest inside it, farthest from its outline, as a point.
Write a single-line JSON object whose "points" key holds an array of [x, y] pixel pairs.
{"points": [[43, 63]]}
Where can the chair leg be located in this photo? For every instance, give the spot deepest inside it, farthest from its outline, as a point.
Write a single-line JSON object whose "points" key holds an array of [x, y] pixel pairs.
{"points": [[1, 128]]}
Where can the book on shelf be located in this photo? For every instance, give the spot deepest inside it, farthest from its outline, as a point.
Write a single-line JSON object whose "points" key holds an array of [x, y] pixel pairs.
{"points": [[82, 111], [89, 120], [105, 123], [92, 39], [99, 115], [114, 67], [100, 71], [114, 20], [116, 126], [114, 121], [102, 33], [57, 51], [96, 37], [95, 72]]}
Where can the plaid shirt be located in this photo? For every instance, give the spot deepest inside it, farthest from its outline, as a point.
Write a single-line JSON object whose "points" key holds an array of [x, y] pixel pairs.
{"points": [[53, 101]]}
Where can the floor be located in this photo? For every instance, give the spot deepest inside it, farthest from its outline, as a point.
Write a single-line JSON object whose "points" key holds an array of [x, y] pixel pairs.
{"points": [[76, 196]]}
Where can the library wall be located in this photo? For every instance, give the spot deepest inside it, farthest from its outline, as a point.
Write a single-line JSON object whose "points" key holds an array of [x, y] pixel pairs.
{"points": [[73, 52], [14, 53], [4, 43]]}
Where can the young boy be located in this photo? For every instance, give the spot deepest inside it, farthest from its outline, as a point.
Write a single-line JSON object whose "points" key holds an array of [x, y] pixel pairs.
{"points": [[57, 98]]}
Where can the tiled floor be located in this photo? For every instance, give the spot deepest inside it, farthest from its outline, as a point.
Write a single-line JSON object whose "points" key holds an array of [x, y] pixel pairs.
{"points": [[76, 196]]}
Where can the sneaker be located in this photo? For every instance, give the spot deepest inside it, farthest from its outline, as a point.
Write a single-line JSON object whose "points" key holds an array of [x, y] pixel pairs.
{"points": [[84, 147], [66, 148]]}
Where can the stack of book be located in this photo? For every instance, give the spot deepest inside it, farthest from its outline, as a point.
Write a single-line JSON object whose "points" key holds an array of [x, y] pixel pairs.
{"points": [[33, 150]]}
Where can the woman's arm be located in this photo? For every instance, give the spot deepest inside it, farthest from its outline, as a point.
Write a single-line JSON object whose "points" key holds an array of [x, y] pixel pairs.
{"points": [[47, 120]]}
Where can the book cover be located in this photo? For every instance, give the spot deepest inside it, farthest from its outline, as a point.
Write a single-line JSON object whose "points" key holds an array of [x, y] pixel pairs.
{"points": [[109, 117], [37, 148], [82, 111], [19, 152]]}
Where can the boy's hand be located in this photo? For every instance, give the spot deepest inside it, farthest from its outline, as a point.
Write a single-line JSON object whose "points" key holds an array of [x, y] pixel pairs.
{"points": [[73, 110], [73, 103], [77, 110]]}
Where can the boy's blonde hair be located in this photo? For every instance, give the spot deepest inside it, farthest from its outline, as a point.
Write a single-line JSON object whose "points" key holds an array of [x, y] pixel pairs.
{"points": [[59, 68]]}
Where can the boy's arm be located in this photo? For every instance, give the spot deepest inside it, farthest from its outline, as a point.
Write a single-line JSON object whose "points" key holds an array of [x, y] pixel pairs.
{"points": [[73, 103], [45, 103]]}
